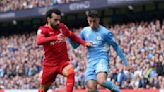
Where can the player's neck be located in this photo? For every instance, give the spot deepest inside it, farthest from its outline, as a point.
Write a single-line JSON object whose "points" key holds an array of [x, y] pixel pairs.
{"points": [[47, 25], [95, 29]]}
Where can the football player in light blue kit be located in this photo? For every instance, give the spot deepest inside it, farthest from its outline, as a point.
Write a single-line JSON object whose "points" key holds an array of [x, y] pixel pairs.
{"points": [[98, 53]]}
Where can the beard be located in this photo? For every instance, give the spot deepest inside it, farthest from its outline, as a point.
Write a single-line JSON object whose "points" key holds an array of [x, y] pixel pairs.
{"points": [[55, 26]]}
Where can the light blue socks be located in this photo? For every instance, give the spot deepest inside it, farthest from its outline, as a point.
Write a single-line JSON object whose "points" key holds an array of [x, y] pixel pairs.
{"points": [[109, 85]]}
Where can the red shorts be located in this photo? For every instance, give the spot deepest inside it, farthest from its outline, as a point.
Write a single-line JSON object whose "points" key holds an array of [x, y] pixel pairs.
{"points": [[50, 72]]}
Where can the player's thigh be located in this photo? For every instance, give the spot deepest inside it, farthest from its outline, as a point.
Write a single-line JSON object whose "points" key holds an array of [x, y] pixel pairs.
{"points": [[67, 69], [101, 77], [102, 66], [91, 85], [48, 75], [90, 74]]}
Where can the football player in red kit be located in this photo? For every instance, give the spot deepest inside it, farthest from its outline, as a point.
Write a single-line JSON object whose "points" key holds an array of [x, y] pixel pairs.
{"points": [[53, 38]]}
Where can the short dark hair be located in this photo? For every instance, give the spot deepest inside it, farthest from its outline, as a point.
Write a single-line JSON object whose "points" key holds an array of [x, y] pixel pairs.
{"points": [[50, 11], [93, 14]]}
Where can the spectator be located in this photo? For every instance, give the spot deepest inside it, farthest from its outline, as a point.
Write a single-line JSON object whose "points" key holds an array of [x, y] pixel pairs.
{"points": [[8, 5], [21, 58]]}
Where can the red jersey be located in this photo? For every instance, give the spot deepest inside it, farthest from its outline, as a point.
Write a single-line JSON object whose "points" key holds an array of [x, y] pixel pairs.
{"points": [[55, 52]]}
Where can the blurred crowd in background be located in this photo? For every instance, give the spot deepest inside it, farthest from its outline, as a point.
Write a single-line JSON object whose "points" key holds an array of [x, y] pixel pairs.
{"points": [[142, 43], [8, 5]]}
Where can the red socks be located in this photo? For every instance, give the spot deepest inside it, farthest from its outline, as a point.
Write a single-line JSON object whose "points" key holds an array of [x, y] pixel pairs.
{"points": [[70, 80], [41, 90]]}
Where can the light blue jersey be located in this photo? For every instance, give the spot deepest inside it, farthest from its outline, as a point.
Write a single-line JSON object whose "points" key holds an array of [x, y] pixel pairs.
{"points": [[98, 53]]}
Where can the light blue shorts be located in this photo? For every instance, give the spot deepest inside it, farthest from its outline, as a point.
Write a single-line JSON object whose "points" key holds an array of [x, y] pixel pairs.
{"points": [[92, 70]]}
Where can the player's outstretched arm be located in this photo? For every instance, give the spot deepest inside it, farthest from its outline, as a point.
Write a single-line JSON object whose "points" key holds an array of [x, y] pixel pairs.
{"points": [[73, 39], [79, 41], [111, 40], [73, 44], [42, 39]]}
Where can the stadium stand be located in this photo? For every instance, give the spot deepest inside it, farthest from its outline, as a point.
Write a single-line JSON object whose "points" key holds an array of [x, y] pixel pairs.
{"points": [[9, 5], [143, 44]]}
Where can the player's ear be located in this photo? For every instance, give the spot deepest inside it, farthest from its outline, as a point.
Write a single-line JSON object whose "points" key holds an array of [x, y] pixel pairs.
{"points": [[48, 19]]}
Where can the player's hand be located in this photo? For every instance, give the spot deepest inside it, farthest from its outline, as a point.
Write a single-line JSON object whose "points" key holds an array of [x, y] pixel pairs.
{"points": [[87, 44], [60, 37]]}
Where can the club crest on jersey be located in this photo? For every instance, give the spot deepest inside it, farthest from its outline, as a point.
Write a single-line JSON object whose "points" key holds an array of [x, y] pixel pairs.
{"points": [[52, 43], [87, 35], [99, 37]]}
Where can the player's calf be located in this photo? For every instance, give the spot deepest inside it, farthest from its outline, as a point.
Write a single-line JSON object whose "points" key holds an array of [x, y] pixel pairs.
{"points": [[101, 79], [92, 86], [70, 80], [43, 88]]}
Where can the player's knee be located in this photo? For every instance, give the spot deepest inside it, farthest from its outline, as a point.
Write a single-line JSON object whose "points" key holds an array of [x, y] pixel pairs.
{"points": [[101, 78], [70, 73], [101, 81], [91, 86]]}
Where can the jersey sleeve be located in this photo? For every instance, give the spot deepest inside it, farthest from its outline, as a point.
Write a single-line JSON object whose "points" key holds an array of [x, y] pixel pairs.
{"points": [[75, 44], [42, 38], [72, 36], [111, 41]]}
